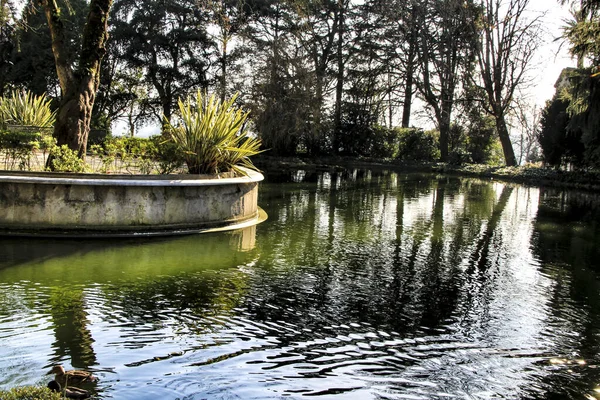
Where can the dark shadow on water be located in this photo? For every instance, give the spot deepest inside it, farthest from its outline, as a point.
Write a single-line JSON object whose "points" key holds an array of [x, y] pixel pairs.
{"points": [[566, 240]]}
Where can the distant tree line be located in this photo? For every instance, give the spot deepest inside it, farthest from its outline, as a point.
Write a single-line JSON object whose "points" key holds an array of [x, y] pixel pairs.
{"points": [[319, 76]]}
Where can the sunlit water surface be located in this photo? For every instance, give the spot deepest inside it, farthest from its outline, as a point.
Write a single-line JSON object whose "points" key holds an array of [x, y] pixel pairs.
{"points": [[361, 285]]}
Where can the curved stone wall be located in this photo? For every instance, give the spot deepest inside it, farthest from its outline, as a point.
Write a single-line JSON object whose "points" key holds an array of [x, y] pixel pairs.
{"points": [[50, 204]]}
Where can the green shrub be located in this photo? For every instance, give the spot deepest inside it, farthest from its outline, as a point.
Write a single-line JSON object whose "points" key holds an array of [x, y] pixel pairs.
{"points": [[482, 143], [353, 139], [385, 142], [417, 145], [18, 148], [106, 157], [166, 154], [64, 159], [560, 147], [25, 109], [211, 136], [138, 154], [459, 156], [29, 393]]}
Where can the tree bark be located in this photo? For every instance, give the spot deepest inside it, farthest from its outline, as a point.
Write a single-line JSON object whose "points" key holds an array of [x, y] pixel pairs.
{"points": [[509, 154], [507, 46], [410, 70], [444, 130], [339, 88], [78, 86], [408, 87], [223, 88]]}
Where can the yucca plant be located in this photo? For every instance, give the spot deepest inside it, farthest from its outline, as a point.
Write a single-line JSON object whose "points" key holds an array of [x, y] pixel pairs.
{"points": [[26, 109], [211, 135]]}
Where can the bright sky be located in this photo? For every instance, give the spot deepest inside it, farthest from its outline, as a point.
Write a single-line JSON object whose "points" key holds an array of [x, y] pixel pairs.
{"points": [[551, 57]]}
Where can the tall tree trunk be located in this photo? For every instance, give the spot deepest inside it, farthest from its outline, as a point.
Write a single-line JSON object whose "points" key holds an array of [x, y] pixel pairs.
{"points": [[314, 140], [407, 106], [167, 103], [72, 125], [130, 120], [444, 121], [444, 133], [509, 154], [409, 82], [78, 86], [390, 101], [223, 88], [339, 88]]}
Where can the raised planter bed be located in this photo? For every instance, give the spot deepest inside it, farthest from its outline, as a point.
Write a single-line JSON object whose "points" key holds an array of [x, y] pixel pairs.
{"points": [[74, 205]]}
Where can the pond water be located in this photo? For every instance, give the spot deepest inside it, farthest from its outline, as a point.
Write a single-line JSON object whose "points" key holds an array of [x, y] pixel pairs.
{"points": [[361, 285]]}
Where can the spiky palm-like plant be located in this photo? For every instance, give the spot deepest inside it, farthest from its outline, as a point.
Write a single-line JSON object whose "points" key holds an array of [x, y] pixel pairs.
{"points": [[212, 136], [26, 109]]}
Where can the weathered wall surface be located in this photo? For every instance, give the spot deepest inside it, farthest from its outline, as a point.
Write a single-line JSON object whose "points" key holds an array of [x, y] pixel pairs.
{"points": [[44, 203]]}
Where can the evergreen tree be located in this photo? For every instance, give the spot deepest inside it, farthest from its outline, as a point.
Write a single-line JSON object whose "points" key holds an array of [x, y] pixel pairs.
{"points": [[317, 28], [399, 32], [583, 93], [32, 56], [232, 19], [363, 105], [559, 147], [167, 40], [282, 85], [7, 41]]}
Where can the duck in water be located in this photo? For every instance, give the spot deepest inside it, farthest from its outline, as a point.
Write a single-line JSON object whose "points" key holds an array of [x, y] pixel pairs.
{"points": [[74, 377], [69, 392]]}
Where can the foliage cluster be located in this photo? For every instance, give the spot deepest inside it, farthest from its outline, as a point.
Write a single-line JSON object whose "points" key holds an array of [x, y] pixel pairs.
{"points": [[417, 145], [18, 147], [25, 122], [212, 135], [331, 76], [135, 155], [23, 108], [475, 143], [570, 127], [560, 147], [29, 393], [65, 159]]}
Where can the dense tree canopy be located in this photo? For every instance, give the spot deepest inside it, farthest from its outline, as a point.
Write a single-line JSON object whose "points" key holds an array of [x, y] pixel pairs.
{"points": [[319, 76], [168, 42]]}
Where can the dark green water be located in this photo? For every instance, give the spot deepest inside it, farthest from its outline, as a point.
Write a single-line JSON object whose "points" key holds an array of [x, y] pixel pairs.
{"points": [[361, 285]]}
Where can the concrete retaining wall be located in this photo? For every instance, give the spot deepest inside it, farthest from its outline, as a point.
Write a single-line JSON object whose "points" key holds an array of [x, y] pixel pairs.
{"points": [[100, 205]]}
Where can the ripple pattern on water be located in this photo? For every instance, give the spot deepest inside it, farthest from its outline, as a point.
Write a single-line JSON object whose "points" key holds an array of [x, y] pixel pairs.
{"points": [[361, 285]]}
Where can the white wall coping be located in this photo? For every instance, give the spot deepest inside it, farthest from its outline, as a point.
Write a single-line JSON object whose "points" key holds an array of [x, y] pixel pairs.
{"points": [[128, 180]]}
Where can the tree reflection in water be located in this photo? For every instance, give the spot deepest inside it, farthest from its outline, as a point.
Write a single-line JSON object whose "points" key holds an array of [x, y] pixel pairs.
{"points": [[373, 283]]}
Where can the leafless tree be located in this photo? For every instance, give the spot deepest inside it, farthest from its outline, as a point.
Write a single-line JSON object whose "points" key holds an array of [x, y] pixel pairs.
{"points": [[509, 38], [526, 118]]}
